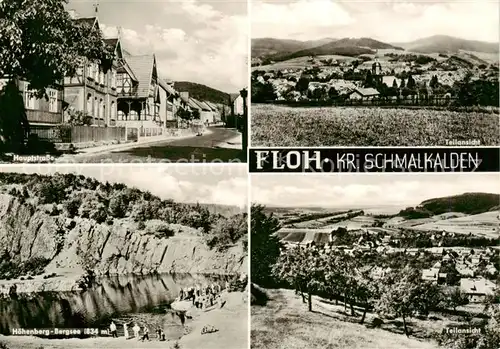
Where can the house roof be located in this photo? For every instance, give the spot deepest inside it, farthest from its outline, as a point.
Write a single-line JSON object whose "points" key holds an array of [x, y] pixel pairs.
{"points": [[125, 68], [87, 20], [367, 91], [205, 106], [111, 42], [429, 273], [212, 105], [167, 87], [477, 286], [201, 105], [191, 102], [142, 66]]}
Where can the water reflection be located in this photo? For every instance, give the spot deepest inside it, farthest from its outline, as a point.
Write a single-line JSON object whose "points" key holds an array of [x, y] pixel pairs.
{"points": [[109, 297]]}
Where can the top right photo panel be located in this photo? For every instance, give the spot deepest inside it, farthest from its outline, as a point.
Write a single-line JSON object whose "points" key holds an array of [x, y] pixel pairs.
{"points": [[371, 73]]}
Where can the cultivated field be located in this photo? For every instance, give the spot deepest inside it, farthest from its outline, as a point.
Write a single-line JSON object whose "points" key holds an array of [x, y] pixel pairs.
{"points": [[485, 224], [283, 126]]}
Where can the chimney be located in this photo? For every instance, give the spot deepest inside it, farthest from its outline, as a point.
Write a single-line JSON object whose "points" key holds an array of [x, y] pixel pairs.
{"points": [[185, 94]]}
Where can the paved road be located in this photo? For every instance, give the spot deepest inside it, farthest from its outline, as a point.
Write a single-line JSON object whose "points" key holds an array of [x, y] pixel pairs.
{"points": [[193, 149]]}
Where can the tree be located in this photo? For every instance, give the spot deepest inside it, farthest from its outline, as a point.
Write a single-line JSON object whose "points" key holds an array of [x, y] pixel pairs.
{"points": [[333, 93], [369, 80], [265, 247], [402, 84], [303, 84], [400, 295], [117, 206], [40, 44], [411, 82], [454, 298], [394, 83]]}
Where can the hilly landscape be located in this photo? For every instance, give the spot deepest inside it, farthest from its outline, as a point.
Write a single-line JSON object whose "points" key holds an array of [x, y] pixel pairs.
{"points": [[281, 50], [448, 44], [202, 92]]}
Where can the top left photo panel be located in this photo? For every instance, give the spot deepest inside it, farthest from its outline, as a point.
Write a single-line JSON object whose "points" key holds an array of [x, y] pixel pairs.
{"points": [[123, 81]]}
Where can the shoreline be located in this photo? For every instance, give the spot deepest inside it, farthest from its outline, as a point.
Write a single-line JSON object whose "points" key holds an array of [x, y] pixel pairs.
{"points": [[231, 321]]}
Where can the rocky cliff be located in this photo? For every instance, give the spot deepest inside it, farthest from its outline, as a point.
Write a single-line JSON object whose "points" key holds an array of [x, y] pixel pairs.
{"points": [[74, 245]]}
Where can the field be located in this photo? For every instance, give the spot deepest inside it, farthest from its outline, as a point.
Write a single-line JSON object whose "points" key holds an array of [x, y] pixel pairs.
{"points": [[299, 63], [284, 323], [283, 126], [484, 224]]}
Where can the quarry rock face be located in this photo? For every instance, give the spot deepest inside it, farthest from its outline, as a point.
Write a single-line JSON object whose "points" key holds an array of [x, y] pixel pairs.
{"points": [[78, 244]]}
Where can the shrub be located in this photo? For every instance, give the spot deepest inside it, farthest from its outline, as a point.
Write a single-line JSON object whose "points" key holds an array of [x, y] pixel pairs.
{"points": [[72, 206], [99, 213], [159, 229], [117, 206]]}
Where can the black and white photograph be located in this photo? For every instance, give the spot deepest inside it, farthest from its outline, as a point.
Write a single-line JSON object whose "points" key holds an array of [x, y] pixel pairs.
{"points": [[374, 73], [375, 261], [123, 81], [124, 257]]}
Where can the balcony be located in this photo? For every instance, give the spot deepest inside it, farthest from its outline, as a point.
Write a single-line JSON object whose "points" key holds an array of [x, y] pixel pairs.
{"points": [[45, 117]]}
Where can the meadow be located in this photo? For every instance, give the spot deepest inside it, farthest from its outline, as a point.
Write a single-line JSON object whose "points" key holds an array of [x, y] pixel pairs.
{"points": [[284, 126]]}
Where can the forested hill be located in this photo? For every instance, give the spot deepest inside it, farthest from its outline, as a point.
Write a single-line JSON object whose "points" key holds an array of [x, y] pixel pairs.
{"points": [[202, 92], [73, 195], [468, 203]]}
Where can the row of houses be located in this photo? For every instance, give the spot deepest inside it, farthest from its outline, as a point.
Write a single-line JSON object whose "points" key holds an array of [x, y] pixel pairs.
{"points": [[131, 94]]}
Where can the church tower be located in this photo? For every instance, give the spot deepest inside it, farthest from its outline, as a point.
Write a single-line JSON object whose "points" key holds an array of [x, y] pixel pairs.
{"points": [[377, 70]]}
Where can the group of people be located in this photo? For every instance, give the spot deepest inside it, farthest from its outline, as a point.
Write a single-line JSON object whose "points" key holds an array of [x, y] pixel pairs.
{"points": [[202, 296], [136, 329]]}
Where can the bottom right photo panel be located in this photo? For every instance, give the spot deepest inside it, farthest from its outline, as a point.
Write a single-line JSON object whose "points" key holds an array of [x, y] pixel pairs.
{"points": [[375, 261]]}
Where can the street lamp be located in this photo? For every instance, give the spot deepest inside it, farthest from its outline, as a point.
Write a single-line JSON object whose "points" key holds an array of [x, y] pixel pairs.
{"points": [[244, 95]]}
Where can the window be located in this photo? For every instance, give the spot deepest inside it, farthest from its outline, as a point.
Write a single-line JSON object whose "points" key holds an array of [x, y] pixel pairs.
{"points": [[89, 103], [133, 115], [119, 82], [29, 97], [121, 115], [90, 71], [101, 77], [113, 78], [96, 72], [113, 111], [101, 109], [52, 101], [127, 84], [96, 108]]}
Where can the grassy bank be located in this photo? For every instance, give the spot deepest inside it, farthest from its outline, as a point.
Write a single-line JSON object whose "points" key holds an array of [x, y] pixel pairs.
{"points": [[285, 323]]}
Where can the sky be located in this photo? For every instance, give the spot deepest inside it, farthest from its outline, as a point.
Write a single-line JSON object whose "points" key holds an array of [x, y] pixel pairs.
{"points": [[207, 183], [198, 41], [365, 190], [389, 21]]}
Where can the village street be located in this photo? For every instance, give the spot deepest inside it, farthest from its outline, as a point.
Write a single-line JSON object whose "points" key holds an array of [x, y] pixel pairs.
{"points": [[217, 144]]}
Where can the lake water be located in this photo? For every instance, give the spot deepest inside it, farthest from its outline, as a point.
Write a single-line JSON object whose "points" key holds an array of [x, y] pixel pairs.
{"points": [[110, 297]]}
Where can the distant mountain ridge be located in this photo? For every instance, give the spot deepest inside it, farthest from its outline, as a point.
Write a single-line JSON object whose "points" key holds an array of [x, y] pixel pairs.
{"points": [[202, 92], [468, 203], [268, 49], [449, 44]]}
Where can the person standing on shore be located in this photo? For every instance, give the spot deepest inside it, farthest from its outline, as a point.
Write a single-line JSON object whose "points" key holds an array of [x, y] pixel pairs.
{"points": [[136, 330], [112, 328], [125, 331], [146, 333]]}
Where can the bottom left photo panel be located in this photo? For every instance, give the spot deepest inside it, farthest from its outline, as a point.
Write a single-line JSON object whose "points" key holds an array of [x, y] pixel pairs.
{"points": [[124, 256]]}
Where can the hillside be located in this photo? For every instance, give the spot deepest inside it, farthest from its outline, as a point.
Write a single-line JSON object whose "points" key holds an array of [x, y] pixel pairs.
{"points": [[468, 203], [321, 328], [202, 92], [79, 224], [448, 44], [267, 47], [281, 50]]}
